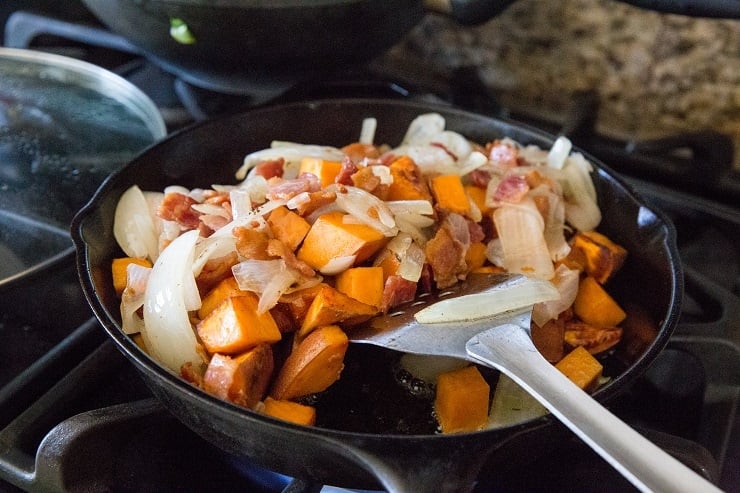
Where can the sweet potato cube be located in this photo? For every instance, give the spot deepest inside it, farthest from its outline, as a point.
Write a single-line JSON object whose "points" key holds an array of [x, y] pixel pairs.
{"points": [[288, 227], [223, 290], [450, 194], [325, 170], [363, 284], [119, 268], [581, 368], [595, 306], [299, 301], [313, 365], [241, 379], [290, 411], [331, 237], [331, 306], [462, 400], [235, 326], [407, 181], [602, 257], [478, 196], [475, 256]]}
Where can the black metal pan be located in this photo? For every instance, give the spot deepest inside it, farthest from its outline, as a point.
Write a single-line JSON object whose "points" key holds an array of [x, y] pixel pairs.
{"points": [[342, 453], [225, 45]]}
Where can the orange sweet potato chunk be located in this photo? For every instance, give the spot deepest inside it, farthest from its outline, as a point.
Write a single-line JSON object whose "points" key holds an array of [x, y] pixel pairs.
{"points": [[223, 290], [119, 268], [478, 196], [235, 326], [595, 306], [364, 284], [330, 237], [325, 170], [462, 400], [330, 306], [241, 379], [581, 368], [450, 194], [290, 411], [602, 257], [313, 365], [288, 227], [407, 181]]}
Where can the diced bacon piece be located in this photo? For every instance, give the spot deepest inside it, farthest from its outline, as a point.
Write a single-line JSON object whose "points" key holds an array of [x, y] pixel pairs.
{"points": [[177, 207], [502, 154], [396, 291], [270, 168], [348, 169], [251, 244], [446, 251], [284, 190], [512, 189]]}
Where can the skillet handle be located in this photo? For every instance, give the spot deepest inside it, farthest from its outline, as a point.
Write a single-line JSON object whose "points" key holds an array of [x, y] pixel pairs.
{"points": [[509, 348]]}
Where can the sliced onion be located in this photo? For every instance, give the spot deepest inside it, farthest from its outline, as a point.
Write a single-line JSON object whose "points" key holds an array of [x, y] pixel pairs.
{"points": [[559, 152], [520, 228], [429, 159], [566, 282], [338, 264], [513, 295], [132, 297], [167, 332], [423, 129], [134, 227], [292, 153], [241, 203], [367, 133], [367, 208], [581, 207], [472, 162], [412, 263], [554, 231]]}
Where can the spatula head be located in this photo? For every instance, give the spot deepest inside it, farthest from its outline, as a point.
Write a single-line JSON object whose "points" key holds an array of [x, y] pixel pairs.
{"points": [[401, 331]]}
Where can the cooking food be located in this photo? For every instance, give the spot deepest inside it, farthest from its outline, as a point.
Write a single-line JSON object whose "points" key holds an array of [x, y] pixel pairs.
{"points": [[247, 290]]}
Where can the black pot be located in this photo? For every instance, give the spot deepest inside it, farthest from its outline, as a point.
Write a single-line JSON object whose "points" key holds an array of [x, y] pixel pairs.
{"points": [[208, 153]]}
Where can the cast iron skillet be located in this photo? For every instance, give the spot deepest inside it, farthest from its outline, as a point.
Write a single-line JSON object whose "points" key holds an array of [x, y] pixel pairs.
{"points": [[210, 152], [221, 44]]}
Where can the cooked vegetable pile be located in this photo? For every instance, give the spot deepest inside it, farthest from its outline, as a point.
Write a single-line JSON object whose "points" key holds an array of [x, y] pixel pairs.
{"points": [[247, 290]]}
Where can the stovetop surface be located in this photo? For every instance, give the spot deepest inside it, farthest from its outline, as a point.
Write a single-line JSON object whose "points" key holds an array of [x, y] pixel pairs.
{"points": [[60, 374]]}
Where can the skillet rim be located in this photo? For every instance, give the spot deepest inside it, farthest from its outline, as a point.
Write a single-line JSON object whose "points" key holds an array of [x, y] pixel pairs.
{"points": [[144, 362]]}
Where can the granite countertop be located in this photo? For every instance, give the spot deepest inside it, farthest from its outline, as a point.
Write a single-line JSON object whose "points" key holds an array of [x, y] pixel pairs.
{"points": [[655, 74]]}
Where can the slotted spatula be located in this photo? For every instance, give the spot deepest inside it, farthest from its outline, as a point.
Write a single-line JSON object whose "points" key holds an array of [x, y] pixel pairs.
{"points": [[502, 341]]}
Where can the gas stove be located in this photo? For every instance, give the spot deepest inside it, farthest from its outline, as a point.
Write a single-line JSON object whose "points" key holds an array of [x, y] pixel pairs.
{"points": [[75, 416]]}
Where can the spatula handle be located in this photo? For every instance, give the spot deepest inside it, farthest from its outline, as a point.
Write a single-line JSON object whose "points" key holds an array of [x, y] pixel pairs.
{"points": [[509, 348]]}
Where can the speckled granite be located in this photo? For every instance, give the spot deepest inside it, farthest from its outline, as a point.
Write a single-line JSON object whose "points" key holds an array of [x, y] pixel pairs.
{"points": [[655, 73]]}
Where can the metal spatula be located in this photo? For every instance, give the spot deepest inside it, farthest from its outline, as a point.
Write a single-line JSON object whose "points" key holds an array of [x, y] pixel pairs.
{"points": [[503, 341]]}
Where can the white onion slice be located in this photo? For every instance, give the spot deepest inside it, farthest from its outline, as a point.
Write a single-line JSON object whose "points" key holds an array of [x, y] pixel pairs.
{"points": [[423, 129], [134, 227], [292, 153], [520, 228], [132, 297], [514, 295], [168, 334], [581, 207], [267, 278], [338, 264], [367, 132], [566, 281], [367, 208], [559, 152]]}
